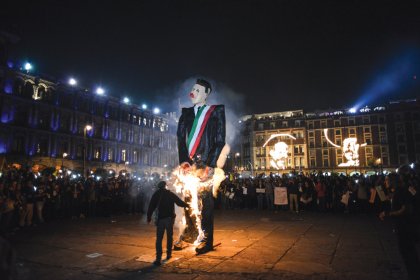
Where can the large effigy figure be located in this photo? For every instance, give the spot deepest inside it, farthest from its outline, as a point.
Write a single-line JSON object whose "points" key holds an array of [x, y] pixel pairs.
{"points": [[201, 139]]}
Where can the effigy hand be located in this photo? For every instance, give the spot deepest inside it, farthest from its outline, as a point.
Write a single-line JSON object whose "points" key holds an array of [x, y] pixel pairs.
{"points": [[185, 167]]}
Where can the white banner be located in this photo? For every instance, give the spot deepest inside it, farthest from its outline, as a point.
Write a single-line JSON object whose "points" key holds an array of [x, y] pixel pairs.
{"points": [[260, 190], [280, 196]]}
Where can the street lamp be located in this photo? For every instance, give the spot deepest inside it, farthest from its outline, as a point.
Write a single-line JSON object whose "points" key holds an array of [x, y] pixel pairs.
{"points": [[27, 67], [72, 82], [86, 128], [100, 91]]}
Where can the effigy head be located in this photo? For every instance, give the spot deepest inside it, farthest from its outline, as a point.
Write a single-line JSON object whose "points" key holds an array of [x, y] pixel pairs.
{"points": [[200, 91]]}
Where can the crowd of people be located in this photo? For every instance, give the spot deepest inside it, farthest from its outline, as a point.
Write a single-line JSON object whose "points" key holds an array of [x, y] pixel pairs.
{"points": [[29, 199], [317, 192]]}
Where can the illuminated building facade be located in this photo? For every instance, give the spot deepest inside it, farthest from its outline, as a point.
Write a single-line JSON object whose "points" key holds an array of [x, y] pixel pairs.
{"points": [[50, 123], [366, 139]]}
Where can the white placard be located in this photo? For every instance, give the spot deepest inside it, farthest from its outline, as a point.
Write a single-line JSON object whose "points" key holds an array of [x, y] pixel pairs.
{"points": [[280, 196]]}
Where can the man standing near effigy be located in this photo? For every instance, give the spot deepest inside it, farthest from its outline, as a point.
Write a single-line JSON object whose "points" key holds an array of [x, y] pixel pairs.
{"points": [[201, 139]]}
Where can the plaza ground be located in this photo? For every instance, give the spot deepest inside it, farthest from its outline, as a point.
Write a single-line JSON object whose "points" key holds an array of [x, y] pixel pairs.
{"points": [[254, 245]]}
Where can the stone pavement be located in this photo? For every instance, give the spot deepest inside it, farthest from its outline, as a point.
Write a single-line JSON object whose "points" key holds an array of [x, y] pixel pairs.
{"points": [[254, 245]]}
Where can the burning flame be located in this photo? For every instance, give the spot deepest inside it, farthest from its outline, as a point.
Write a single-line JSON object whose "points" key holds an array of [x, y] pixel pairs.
{"points": [[189, 184]]}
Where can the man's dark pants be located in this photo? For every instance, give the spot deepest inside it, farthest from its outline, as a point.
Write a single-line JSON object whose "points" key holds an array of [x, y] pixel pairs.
{"points": [[162, 225]]}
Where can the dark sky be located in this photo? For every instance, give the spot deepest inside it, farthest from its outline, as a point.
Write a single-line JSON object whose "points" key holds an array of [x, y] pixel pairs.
{"points": [[276, 55]]}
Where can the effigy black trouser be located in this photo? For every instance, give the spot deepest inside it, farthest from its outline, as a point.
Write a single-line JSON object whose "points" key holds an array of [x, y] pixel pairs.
{"points": [[207, 217]]}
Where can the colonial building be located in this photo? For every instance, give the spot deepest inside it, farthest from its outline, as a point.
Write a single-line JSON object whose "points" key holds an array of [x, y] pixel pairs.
{"points": [[48, 123], [367, 139]]}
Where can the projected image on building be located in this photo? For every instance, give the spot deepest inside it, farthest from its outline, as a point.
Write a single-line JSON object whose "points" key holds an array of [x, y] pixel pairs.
{"points": [[279, 153], [350, 150]]}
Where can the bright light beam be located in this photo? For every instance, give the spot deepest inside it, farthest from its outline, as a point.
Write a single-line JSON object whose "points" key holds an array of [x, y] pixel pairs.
{"points": [[393, 79]]}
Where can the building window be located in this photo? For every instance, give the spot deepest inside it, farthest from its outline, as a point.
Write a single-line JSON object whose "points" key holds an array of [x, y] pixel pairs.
{"points": [[312, 161], [366, 120], [399, 128], [124, 155], [272, 125], [338, 132], [336, 122], [18, 145], [324, 141], [382, 139], [339, 156], [338, 141], [311, 125], [97, 153], [311, 143], [351, 121], [110, 154], [260, 126], [284, 124], [135, 156]]}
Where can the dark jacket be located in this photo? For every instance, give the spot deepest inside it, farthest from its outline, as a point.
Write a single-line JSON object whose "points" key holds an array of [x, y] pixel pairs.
{"points": [[166, 204], [212, 141]]}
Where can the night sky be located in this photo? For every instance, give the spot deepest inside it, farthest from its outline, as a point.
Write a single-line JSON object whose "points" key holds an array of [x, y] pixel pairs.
{"points": [[274, 55]]}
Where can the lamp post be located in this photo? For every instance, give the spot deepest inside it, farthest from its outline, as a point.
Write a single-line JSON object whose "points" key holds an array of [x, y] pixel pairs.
{"points": [[62, 160], [86, 128], [237, 159], [379, 162]]}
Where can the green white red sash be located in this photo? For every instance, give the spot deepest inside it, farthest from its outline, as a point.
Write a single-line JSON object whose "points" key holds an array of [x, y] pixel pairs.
{"points": [[197, 130]]}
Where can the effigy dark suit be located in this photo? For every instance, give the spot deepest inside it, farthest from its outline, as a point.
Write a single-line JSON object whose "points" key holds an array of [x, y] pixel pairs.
{"points": [[204, 153]]}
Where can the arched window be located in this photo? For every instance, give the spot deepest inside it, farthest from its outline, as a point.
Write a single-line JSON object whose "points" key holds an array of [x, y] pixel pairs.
{"points": [[41, 94]]}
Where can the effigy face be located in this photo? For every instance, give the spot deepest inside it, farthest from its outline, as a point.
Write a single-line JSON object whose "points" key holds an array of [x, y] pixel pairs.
{"points": [[198, 94]]}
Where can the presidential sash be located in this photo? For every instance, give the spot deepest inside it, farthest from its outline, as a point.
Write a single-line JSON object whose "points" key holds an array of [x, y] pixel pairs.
{"points": [[197, 130]]}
